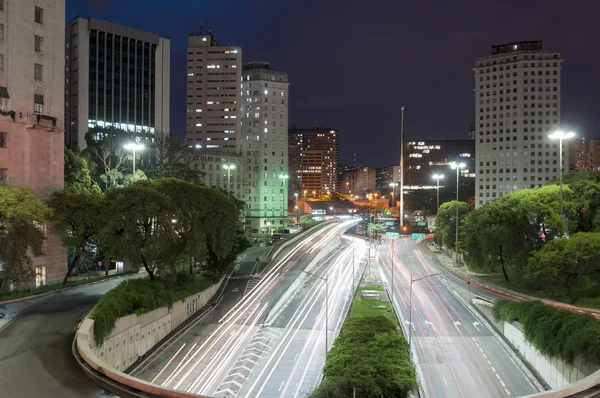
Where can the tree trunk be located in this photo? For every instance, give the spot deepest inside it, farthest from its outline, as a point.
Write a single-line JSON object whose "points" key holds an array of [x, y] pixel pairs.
{"points": [[148, 269], [502, 263], [70, 268]]}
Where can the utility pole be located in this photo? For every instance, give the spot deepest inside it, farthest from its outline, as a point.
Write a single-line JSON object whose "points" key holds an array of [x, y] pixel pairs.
{"points": [[402, 170]]}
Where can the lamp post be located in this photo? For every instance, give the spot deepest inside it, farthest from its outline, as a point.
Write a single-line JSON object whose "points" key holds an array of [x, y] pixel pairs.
{"points": [[284, 178], [560, 136], [134, 147], [297, 215], [394, 185], [326, 305], [457, 166], [401, 216], [268, 233], [228, 167], [314, 194], [410, 305], [438, 177]]}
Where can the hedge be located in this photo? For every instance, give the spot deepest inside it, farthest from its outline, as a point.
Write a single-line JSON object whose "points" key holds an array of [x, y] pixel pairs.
{"points": [[554, 332], [138, 296]]}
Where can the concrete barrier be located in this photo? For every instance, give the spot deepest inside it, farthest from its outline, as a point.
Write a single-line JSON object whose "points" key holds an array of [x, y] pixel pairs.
{"points": [[132, 337]]}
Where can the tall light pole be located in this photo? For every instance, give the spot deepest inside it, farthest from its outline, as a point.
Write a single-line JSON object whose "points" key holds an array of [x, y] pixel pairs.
{"points": [[457, 166], [284, 178], [229, 167], [394, 185], [265, 245], [333, 209], [402, 170], [560, 136], [134, 147], [326, 305], [314, 194], [410, 305], [438, 177]]}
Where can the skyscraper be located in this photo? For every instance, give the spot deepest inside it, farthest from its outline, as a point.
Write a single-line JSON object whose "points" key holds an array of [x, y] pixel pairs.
{"points": [[517, 105], [318, 153], [264, 146], [578, 155], [32, 110], [116, 76], [594, 156], [213, 93]]}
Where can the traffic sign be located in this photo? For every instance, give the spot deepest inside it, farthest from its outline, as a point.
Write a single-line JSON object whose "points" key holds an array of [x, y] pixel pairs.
{"points": [[392, 235], [389, 223], [421, 223], [418, 236]]}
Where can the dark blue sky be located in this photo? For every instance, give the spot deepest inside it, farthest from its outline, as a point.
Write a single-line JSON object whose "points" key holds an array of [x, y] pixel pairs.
{"points": [[352, 63]]}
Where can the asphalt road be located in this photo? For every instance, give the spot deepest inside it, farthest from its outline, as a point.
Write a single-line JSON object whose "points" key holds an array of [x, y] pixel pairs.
{"points": [[237, 347], [456, 355], [35, 345]]}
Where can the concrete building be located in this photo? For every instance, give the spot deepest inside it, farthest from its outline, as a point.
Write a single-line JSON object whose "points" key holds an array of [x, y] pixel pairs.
{"points": [[317, 148], [213, 93], [385, 176], [594, 156], [578, 155], [217, 170], [517, 105], [265, 146], [32, 111], [360, 180], [116, 76]]}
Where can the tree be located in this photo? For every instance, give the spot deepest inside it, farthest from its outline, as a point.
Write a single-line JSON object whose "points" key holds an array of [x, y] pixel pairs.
{"points": [[77, 173], [138, 227], [445, 221], [585, 200], [172, 157], [563, 265], [79, 214], [22, 216]]}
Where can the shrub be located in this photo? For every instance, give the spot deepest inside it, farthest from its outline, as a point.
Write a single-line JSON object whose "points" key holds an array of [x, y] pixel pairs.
{"points": [[555, 332], [588, 302]]}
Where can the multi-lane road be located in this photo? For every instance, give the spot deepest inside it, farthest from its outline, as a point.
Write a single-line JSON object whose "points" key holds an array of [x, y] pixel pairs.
{"points": [[455, 355], [267, 338]]}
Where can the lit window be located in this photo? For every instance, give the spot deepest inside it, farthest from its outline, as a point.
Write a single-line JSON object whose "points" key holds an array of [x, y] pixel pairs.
{"points": [[266, 92], [204, 39], [234, 51], [190, 74], [198, 110], [198, 124], [209, 102], [211, 67]]}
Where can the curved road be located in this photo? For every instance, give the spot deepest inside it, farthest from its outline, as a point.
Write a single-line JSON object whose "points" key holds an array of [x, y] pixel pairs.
{"points": [[35, 345]]}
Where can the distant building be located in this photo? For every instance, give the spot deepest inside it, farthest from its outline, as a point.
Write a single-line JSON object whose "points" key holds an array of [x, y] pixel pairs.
{"points": [[330, 208], [385, 176], [317, 150], [578, 156], [517, 105], [116, 76], [359, 180], [426, 158], [265, 146], [214, 98], [594, 156], [32, 107], [217, 172]]}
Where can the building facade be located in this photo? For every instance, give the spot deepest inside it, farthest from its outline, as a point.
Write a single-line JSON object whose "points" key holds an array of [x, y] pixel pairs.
{"points": [[578, 155], [593, 163], [385, 176], [32, 111], [359, 181], [115, 77], [517, 106], [264, 146], [214, 73], [221, 169], [317, 150]]}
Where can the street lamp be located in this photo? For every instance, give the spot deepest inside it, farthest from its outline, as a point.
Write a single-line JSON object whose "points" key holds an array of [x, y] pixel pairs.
{"points": [[228, 167], [457, 166], [326, 304], [314, 194], [268, 233], [438, 177], [560, 136], [410, 305], [394, 185], [332, 208], [284, 178], [297, 215], [134, 147]]}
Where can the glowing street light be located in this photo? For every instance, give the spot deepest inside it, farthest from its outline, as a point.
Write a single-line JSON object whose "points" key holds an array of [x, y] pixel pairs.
{"points": [[457, 166], [229, 167], [438, 177], [560, 136], [134, 147]]}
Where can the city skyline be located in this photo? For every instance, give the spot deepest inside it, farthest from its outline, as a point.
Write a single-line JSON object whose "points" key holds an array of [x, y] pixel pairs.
{"points": [[324, 63]]}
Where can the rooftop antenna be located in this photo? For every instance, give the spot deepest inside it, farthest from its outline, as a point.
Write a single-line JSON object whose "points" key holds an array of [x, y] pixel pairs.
{"points": [[209, 30], [201, 28]]}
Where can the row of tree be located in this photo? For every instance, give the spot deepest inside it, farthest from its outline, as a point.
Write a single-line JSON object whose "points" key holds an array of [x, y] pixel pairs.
{"points": [[525, 235]]}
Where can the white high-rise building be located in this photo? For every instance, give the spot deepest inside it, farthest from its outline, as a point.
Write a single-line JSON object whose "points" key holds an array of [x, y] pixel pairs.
{"points": [[116, 76], [265, 147], [213, 93], [517, 105]]}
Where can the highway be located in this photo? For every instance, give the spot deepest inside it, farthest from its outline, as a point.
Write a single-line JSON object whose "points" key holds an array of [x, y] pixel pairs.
{"points": [[456, 356], [267, 337]]}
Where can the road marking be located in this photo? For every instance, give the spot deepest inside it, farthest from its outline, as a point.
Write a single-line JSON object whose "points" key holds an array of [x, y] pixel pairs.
{"points": [[475, 324], [489, 363], [235, 290], [485, 356], [456, 324], [296, 357], [445, 382], [502, 382], [281, 386], [474, 339], [494, 369], [508, 392], [430, 324], [498, 376]]}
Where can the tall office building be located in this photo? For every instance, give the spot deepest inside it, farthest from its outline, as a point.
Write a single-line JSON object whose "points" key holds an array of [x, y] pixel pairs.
{"points": [[426, 158], [214, 101], [578, 155], [517, 105], [32, 110], [116, 77], [594, 156], [264, 146], [359, 181], [318, 153], [385, 176]]}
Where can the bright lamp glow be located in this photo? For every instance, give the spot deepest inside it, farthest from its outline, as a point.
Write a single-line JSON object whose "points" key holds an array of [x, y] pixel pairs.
{"points": [[438, 176], [133, 146], [561, 135], [459, 165], [229, 166]]}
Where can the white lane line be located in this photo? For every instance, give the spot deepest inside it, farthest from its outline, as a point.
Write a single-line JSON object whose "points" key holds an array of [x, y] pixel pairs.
{"points": [[296, 357], [445, 382], [497, 376], [474, 340], [502, 382], [489, 363], [485, 356], [494, 369], [508, 392], [281, 386]]}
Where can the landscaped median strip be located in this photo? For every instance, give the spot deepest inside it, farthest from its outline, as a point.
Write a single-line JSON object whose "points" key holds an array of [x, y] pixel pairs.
{"points": [[370, 356]]}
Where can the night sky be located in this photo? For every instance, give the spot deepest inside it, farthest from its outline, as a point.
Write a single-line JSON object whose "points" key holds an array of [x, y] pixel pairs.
{"points": [[353, 63]]}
